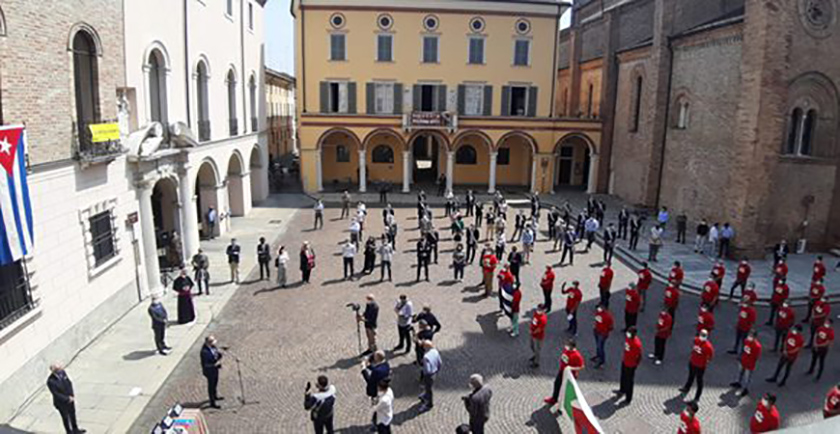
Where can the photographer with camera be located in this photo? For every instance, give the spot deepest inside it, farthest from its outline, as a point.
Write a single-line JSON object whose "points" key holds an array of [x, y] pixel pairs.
{"points": [[478, 404], [320, 405], [375, 369], [369, 318]]}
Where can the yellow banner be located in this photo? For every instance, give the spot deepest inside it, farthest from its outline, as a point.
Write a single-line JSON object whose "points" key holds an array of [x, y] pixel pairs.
{"points": [[104, 132]]}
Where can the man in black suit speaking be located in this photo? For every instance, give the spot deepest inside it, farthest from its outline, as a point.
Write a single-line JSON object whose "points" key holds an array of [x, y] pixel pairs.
{"points": [[211, 362]]}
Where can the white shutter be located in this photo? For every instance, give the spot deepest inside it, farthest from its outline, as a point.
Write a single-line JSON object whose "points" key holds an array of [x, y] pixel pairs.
{"points": [[343, 105]]}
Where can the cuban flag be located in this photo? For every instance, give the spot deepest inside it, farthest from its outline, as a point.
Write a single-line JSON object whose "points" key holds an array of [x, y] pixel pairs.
{"points": [[15, 207]]}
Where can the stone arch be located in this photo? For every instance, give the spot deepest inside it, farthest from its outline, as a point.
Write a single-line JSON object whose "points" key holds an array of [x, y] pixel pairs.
{"points": [[82, 27], [201, 59], [460, 137], [257, 170], [465, 171], [339, 157], [338, 130], [156, 81], [515, 166], [165, 211], [438, 134], [235, 188], [164, 54], [388, 132], [575, 162], [527, 137], [207, 186], [680, 109], [816, 97]]}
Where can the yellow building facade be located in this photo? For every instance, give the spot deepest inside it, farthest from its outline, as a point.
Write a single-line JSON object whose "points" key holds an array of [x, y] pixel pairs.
{"points": [[410, 93]]}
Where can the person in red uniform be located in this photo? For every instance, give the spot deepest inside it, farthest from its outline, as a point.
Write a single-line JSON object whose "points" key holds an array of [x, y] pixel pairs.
{"points": [[816, 292], [821, 311], [705, 319], [781, 291], [538, 324], [547, 285], [741, 277], [819, 269], [672, 299], [750, 294], [632, 303], [766, 417], [790, 352], [570, 358], [780, 271], [689, 424], [750, 354], [604, 284], [573, 298], [832, 402], [488, 268], [629, 362], [784, 322], [718, 272], [702, 353], [825, 336], [746, 320], [677, 274], [602, 329], [664, 326], [711, 293], [643, 284]]}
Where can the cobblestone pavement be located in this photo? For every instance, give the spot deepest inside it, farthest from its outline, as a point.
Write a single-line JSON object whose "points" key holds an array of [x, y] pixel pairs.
{"points": [[286, 337]]}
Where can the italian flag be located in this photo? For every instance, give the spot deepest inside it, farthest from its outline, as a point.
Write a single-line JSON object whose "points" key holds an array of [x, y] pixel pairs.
{"points": [[575, 407]]}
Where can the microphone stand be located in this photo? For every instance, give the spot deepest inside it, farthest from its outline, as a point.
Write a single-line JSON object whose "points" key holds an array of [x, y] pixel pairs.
{"points": [[242, 397]]}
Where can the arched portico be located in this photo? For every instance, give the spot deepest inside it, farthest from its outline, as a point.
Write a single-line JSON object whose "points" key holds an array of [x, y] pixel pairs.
{"points": [[341, 160], [257, 175], [208, 189], [236, 186], [470, 161], [515, 157], [385, 157], [166, 206], [575, 163]]}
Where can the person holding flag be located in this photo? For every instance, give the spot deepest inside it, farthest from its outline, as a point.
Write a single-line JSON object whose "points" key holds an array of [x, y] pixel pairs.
{"points": [[571, 359]]}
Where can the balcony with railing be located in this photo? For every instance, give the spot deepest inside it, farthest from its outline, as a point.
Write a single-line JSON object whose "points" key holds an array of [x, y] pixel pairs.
{"points": [[100, 148], [254, 125], [16, 298], [203, 130], [234, 127]]}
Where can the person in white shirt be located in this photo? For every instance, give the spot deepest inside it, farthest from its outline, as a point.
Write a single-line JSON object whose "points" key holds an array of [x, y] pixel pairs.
{"points": [[348, 252], [319, 214], [281, 261], [386, 254], [714, 238], [383, 407], [355, 232], [590, 227], [404, 310]]}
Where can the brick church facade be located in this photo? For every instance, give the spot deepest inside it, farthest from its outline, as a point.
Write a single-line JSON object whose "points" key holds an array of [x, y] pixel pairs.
{"points": [[726, 109]]}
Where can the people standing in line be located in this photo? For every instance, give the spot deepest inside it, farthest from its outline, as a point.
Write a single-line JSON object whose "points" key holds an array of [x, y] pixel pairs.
{"points": [[212, 218], [348, 254], [570, 358], [643, 283], [790, 352], [605, 283], [610, 238], [159, 320], [630, 361], [632, 303], [469, 203], [369, 255], [689, 423], [664, 327], [573, 300], [569, 240], [702, 353], [537, 329], [345, 204], [677, 274], [780, 272], [479, 214], [307, 261], [201, 267], [355, 231], [623, 220], [635, 230], [459, 262], [282, 264], [547, 286], [473, 235], [784, 321], [718, 273], [404, 309], [590, 228], [477, 404], [714, 239], [320, 405], [528, 240], [515, 260], [820, 312], [671, 299], [745, 323], [727, 233], [815, 294], [233, 250], [711, 293], [211, 363], [424, 256], [701, 235], [319, 215], [369, 318], [705, 319], [386, 255], [822, 343], [602, 330], [431, 367], [655, 242], [434, 241], [741, 277], [488, 269], [64, 398], [750, 354], [682, 226], [183, 286], [264, 259], [781, 291], [819, 269], [766, 417], [832, 403]]}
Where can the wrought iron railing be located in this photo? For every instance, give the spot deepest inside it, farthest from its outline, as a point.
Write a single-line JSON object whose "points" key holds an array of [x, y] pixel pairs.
{"points": [[85, 149], [203, 130], [16, 301], [234, 127]]}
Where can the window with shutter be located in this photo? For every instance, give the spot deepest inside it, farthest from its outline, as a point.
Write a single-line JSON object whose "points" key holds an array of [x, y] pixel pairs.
{"points": [[474, 100], [518, 101], [521, 52], [476, 51], [384, 52], [337, 47], [430, 49], [384, 98]]}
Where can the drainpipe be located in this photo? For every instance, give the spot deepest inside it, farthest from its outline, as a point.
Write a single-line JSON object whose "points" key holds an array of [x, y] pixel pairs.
{"points": [[246, 122], [667, 124], [187, 61]]}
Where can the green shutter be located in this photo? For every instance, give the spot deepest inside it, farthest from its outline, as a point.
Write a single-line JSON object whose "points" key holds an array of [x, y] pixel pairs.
{"points": [[325, 96], [370, 98], [462, 99], [488, 100], [532, 101], [415, 97], [351, 97], [505, 100], [398, 98], [441, 101]]}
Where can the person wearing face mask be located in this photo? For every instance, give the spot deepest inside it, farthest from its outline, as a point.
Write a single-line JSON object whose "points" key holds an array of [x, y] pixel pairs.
{"points": [[705, 319], [741, 278], [784, 322], [689, 424], [570, 358], [603, 327], [832, 403], [629, 363], [702, 353], [766, 417], [575, 295], [746, 320], [631, 306], [750, 353], [664, 326], [790, 352]]}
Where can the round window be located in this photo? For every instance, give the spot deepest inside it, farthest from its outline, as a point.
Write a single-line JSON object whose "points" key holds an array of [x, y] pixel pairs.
{"points": [[337, 20], [477, 24], [430, 22], [523, 26], [385, 21]]}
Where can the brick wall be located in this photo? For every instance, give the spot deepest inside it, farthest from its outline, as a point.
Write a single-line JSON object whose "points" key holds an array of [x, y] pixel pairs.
{"points": [[691, 13], [37, 70], [592, 46], [635, 24]]}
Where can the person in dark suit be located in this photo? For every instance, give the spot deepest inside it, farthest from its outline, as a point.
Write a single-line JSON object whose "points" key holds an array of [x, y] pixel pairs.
{"points": [[376, 369], [159, 319], [64, 399], [211, 362], [780, 251], [478, 404]]}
